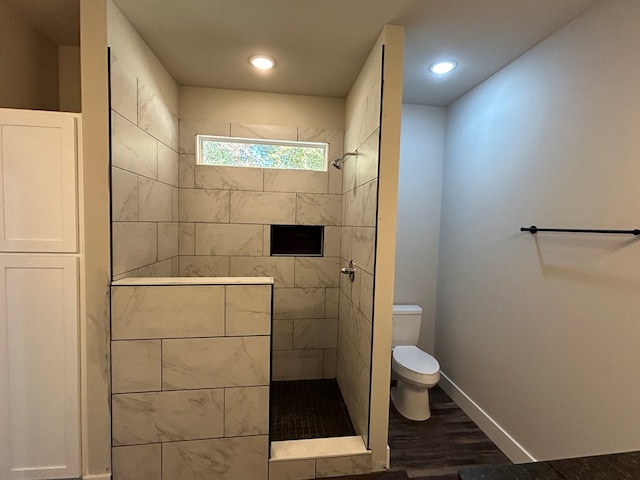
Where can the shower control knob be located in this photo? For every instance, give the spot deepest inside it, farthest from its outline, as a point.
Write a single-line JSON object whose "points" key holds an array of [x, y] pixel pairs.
{"points": [[350, 270]]}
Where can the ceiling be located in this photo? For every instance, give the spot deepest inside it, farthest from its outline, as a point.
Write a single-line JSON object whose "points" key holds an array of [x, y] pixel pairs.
{"points": [[320, 45]]}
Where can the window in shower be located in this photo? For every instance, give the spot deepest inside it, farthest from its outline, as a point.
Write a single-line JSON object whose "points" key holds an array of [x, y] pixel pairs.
{"points": [[261, 153]]}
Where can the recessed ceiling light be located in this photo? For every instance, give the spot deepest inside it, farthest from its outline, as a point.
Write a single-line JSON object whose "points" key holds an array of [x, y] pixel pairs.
{"points": [[440, 68], [262, 62]]}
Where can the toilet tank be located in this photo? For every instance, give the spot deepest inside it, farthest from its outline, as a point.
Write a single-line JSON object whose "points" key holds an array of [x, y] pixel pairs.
{"points": [[406, 324]]}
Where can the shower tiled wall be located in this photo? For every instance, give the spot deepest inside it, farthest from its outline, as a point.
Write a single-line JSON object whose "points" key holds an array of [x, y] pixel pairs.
{"points": [[190, 381], [144, 143], [358, 240], [171, 217], [225, 217]]}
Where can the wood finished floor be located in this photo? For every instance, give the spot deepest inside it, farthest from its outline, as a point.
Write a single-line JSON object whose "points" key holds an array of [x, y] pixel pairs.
{"points": [[437, 448]]}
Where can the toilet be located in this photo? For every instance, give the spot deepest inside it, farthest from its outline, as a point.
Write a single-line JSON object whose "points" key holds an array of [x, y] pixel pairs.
{"points": [[415, 371]]}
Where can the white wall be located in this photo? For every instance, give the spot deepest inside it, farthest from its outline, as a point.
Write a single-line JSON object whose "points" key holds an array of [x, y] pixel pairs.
{"points": [[69, 73], [543, 332], [94, 211], [419, 205], [391, 117], [28, 65], [204, 108]]}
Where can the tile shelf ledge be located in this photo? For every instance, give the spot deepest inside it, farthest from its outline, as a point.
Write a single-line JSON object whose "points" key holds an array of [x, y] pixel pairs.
{"points": [[176, 281]]}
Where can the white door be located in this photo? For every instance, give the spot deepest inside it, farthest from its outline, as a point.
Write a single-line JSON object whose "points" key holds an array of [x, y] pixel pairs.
{"points": [[38, 187], [39, 373]]}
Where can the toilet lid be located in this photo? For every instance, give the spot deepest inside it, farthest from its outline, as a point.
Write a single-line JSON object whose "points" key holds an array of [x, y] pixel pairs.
{"points": [[413, 358]]}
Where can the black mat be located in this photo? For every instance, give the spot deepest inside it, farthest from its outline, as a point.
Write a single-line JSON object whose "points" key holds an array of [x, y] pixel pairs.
{"points": [[302, 409], [375, 476]]}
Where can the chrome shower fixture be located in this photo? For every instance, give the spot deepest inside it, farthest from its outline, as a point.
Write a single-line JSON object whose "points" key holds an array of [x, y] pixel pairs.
{"points": [[338, 162]]}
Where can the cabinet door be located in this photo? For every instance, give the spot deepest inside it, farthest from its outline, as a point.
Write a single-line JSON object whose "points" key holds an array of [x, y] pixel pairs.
{"points": [[39, 384], [38, 211]]}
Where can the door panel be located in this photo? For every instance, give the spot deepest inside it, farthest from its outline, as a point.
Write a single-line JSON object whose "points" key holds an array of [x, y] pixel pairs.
{"points": [[39, 373], [38, 194]]}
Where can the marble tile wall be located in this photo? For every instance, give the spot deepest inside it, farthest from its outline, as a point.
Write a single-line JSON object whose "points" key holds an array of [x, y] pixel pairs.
{"points": [[172, 217], [321, 467], [190, 381], [225, 215], [144, 173], [358, 240]]}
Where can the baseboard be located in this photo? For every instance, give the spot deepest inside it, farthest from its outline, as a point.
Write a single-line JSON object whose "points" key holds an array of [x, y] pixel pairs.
{"points": [[97, 476], [499, 436]]}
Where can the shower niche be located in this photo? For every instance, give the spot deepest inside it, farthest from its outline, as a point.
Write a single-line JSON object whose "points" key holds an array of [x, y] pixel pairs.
{"points": [[297, 240]]}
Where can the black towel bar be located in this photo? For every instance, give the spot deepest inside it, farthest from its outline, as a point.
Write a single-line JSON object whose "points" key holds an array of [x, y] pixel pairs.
{"points": [[533, 229]]}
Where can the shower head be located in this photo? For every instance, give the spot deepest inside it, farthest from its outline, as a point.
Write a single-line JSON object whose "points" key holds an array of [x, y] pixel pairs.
{"points": [[339, 161]]}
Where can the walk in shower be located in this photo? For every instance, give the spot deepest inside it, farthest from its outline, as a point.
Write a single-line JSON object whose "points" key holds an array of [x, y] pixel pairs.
{"points": [[172, 217]]}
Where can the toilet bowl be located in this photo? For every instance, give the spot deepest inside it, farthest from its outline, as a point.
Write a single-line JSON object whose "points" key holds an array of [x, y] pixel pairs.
{"points": [[415, 371]]}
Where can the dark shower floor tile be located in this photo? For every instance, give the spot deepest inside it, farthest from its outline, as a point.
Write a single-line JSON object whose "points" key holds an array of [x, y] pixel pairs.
{"points": [[302, 409]]}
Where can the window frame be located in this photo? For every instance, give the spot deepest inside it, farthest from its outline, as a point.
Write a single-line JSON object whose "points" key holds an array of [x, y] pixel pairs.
{"points": [[200, 138]]}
